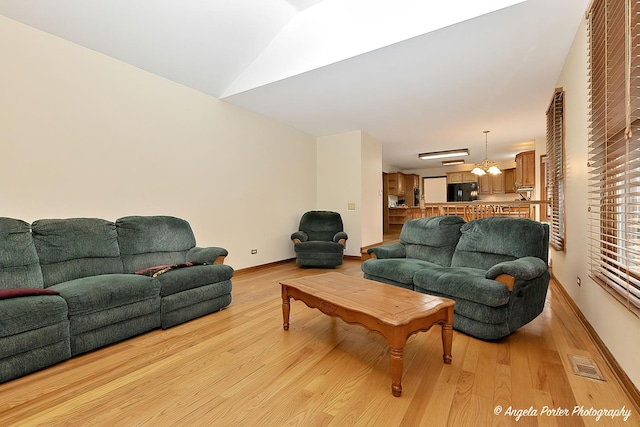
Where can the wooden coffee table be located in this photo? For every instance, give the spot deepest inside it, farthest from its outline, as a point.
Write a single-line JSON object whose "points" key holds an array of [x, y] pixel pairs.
{"points": [[394, 312]]}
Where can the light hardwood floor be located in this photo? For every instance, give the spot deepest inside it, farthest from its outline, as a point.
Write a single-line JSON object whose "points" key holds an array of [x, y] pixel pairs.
{"points": [[238, 367]]}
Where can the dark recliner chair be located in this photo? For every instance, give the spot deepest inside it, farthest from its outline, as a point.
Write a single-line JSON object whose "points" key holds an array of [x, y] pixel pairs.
{"points": [[320, 240]]}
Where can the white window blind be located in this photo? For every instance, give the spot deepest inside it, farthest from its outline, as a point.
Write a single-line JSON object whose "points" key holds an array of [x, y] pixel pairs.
{"points": [[614, 148], [555, 169]]}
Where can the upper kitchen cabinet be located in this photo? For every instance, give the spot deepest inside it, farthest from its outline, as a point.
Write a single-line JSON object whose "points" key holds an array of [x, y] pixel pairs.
{"points": [[396, 184], [492, 184], [413, 181], [461, 177], [509, 180], [525, 169]]}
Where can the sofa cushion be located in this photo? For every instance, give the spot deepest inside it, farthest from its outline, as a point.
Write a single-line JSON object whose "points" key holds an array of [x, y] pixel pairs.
{"points": [[462, 282], [73, 248], [93, 294], [146, 241], [184, 306], [482, 313], [313, 247], [18, 315], [183, 279], [400, 270], [480, 328], [486, 242], [476, 312], [31, 350], [431, 239], [19, 265]]}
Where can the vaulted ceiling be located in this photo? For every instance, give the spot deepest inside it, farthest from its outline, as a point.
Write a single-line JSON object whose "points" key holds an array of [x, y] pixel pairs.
{"points": [[417, 75]]}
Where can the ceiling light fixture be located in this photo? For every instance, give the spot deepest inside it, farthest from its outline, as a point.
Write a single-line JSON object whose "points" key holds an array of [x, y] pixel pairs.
{"points": [[453, 162], [486, 166], [442, 154]]}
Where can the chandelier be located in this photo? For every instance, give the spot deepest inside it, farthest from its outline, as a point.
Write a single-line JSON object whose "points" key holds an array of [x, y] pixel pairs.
{"points": [[486, 166]]}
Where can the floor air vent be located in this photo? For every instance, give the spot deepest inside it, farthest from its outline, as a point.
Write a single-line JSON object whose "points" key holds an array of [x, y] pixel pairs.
{"points": [[585, 367]]}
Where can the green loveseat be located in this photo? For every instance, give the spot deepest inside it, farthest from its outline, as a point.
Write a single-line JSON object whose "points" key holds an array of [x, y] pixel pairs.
{"points": [[67, 286], [494, 268]]}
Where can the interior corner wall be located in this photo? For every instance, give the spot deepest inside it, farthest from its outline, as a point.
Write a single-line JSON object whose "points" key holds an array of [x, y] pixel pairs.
{"points": [[614, 324], [541, 150], [339, 171], [372, 204], [540, 147], [85, 135]]}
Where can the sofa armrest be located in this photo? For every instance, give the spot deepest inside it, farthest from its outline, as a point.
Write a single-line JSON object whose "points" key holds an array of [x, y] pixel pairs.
{"points": [[340, 237], [299, 236], [527, 268], [394, 250], [210, 255]]}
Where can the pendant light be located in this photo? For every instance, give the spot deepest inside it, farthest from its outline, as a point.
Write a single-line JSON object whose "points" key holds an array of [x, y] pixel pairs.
{"points": [[486, 166]]}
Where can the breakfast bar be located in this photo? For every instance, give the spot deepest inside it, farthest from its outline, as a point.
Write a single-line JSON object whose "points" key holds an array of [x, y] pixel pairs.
{"points": [[398, 215]]}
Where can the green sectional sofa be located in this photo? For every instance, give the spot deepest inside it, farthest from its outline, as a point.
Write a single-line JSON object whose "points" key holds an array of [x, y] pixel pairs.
{"points": [[69, 286], [494, 268]]}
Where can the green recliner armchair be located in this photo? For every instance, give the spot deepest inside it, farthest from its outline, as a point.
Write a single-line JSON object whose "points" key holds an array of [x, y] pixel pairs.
{"points": [[320, 239]]}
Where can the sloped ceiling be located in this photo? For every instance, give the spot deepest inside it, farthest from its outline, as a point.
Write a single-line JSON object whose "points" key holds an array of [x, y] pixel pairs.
{"points": [[417, 75]]}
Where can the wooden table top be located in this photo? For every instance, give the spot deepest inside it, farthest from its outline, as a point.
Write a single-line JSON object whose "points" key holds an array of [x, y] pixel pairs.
{"points": [[390, 304]]}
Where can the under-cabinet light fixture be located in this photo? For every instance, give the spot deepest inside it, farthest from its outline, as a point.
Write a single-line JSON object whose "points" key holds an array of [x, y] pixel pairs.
{"points": [[443, 154]]}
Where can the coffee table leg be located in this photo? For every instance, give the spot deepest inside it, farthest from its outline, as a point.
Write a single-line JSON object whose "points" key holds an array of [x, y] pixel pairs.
{"points": [[395, 363], [285, 308], [447, 336]]}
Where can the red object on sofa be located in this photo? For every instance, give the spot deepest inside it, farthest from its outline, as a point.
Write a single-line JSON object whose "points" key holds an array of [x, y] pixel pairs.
{"points": [[25, 292]]}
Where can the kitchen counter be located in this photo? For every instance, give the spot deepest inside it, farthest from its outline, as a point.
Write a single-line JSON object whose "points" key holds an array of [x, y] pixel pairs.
{"points": [[468, 210], [477, 202]]}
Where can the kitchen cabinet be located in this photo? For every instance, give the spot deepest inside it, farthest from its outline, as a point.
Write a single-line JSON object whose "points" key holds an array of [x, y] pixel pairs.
{"points": [[509, 180], [461, 177], [525, 169], [484, 182], [396, 184], [398, 216], [412, 188], [454, 177], [469, 177], [413, 181], [412, 184], [497, 184], [491, 184]]}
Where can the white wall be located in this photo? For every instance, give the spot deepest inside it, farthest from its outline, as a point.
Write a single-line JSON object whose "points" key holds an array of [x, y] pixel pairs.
{"points": [[371, 204], [84, 135], [615, 325], [387, 168], [350, 171], [339, 182]]}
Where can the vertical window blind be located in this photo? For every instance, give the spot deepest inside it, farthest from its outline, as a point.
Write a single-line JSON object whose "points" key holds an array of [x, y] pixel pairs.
{"points": [[614, 148], [555, 169]]}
